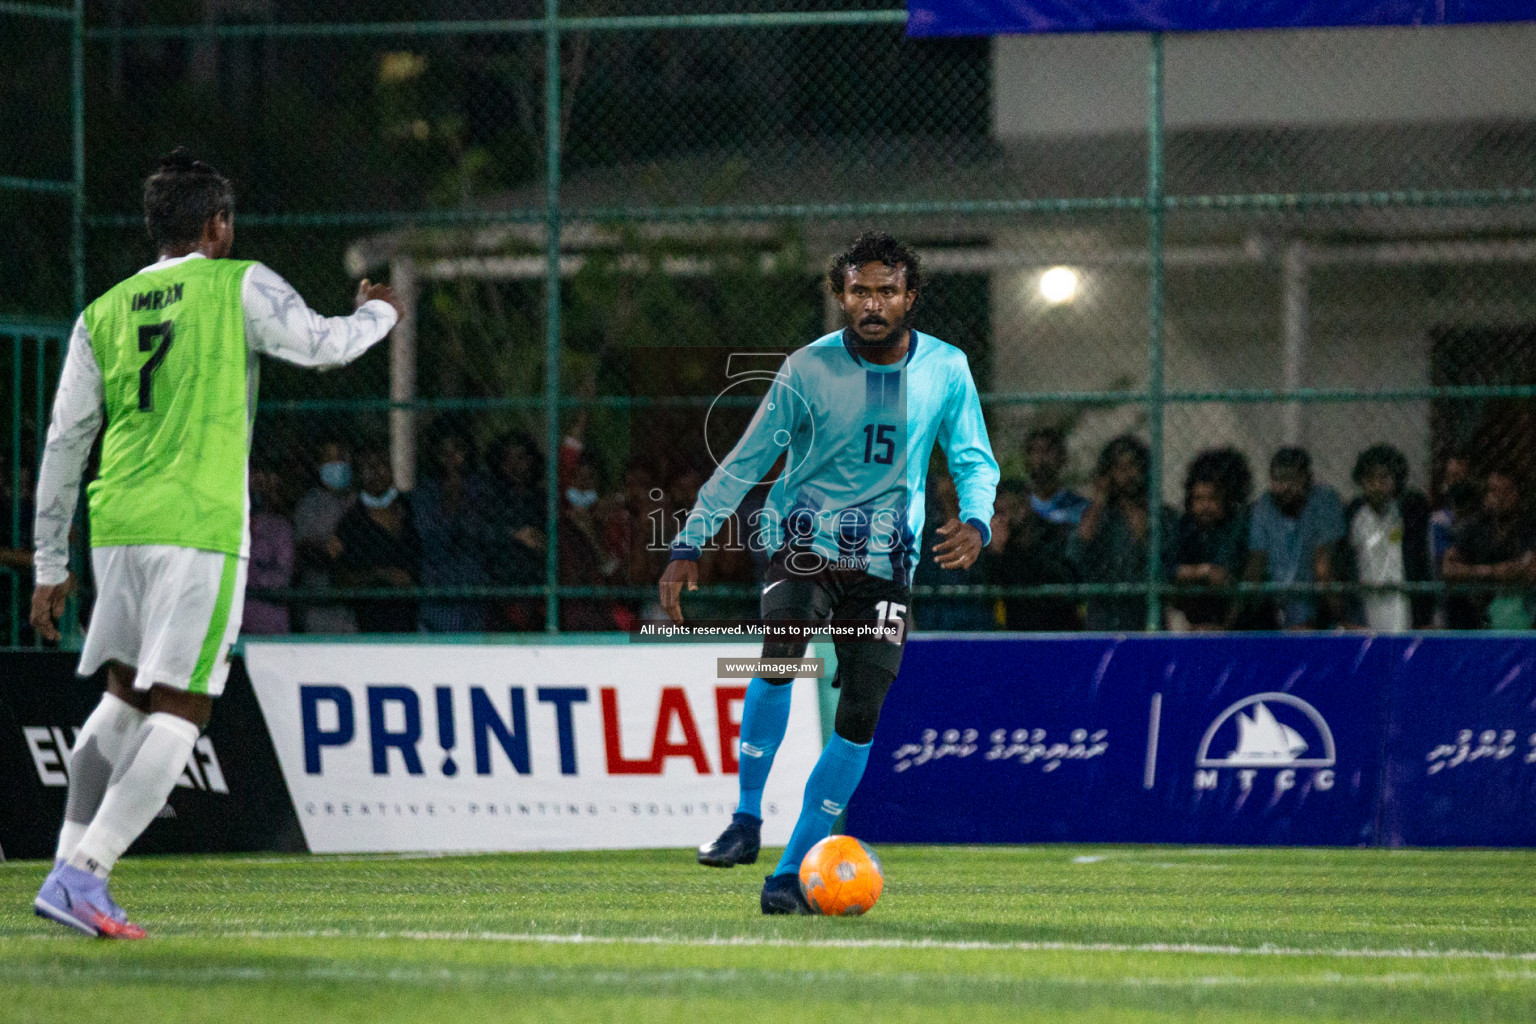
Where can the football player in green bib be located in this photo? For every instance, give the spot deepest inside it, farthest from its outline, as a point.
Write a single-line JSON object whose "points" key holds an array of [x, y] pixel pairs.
{"points": [[168, 359]]}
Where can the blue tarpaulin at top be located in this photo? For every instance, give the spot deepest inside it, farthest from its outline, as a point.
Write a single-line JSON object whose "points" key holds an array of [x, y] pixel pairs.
{"points": [[996, 17]]}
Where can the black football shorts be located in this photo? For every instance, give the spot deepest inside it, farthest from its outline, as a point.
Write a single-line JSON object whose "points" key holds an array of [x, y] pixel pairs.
{"points": [[841, 597]]}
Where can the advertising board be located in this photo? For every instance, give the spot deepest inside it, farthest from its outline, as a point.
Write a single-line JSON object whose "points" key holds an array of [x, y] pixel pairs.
{"points": [[517, 746], [1230, 739], [230, 798]]}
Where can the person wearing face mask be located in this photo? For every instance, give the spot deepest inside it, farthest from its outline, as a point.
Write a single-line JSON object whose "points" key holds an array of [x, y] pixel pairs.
{"points": [[378, 548], [315, 519], [584, 558]]}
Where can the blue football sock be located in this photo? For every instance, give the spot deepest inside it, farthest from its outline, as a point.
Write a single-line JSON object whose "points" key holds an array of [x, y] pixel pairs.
{"points": [[764, 717], [832, 782]]}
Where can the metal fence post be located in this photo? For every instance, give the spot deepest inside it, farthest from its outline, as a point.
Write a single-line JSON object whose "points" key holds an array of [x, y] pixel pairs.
{"points": [[552, 312], [71, 624], [77, 129], [403, 361], [18, 580], [1155, 391]]}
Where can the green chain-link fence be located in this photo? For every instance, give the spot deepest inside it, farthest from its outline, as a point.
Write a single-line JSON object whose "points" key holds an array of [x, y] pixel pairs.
{"points": [[1319, 238]]}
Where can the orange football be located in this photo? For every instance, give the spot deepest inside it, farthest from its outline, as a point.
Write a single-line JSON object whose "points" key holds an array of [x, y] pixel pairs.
{"points": [[841, 876]]}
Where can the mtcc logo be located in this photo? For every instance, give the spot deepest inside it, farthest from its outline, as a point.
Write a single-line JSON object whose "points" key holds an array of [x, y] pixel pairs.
{"points": [[1267, 731]]}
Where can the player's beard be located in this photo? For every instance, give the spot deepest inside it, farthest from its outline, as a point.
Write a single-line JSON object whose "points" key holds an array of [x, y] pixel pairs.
{"points": [[892, 337]]}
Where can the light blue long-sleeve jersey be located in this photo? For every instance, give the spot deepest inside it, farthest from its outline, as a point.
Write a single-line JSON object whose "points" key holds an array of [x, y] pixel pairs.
{"points": [[857, 437]]}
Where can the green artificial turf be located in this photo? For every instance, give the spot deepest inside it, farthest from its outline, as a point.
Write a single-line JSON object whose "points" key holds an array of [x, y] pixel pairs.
{"points": [[1102, 934]]}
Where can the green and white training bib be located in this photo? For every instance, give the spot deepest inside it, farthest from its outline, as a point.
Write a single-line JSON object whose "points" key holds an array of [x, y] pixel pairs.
{"points": [[172, 351]]}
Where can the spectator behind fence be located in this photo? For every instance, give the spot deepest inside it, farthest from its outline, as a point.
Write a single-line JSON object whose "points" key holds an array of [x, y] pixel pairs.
{"points": [[1110, 545], [629, 520], [516, 528], [584, 558], [1292, 530], [1465, 500], [617, 514], [1453, 480], [1495, 547], [1211, 548], [948, 613], [1387, 542], [16, 513], [1045, 459], [315, 520], [718, 563], [1029, 550], [451, 509], [378, 548], [645, 509], [272, 555]]}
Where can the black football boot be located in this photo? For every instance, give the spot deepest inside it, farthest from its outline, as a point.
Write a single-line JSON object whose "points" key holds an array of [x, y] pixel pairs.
{"points": [[738, 844]]}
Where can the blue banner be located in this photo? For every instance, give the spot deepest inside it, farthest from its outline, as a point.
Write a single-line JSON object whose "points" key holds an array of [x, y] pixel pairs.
{"points": [[1347, 739], [997, 17], [1462, 766]]}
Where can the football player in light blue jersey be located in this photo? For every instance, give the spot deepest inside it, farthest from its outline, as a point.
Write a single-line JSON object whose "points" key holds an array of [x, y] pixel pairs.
{"points": [[855, 415]]}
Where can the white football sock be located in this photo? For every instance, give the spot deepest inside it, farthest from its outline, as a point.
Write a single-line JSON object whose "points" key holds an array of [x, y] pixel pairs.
{"points": [[98, 745], [142, 779]]}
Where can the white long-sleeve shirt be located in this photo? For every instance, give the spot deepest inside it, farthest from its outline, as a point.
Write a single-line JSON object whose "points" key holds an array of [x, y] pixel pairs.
{"points": [[277, 323]]}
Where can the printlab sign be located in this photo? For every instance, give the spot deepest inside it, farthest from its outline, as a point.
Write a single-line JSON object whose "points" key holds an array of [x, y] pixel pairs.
{"points": [[517, 747]]}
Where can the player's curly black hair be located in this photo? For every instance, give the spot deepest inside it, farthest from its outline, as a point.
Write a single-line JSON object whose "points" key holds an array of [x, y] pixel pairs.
{"points": [[874, 247], [181, 196], [1228, 469], [1383, 455]]}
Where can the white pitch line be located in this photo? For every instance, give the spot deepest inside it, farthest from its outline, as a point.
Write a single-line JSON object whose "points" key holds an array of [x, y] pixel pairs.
{"points": [[752, 941], [483, 976], [282, 860], [311, 860]]}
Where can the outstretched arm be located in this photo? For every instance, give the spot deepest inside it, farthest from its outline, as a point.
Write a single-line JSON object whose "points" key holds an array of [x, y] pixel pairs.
{"points": [[77, 418], [279, 323]]}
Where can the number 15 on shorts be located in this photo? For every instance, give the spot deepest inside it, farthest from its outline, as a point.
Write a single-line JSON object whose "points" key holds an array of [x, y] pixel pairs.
{"points": [[888, 615]]}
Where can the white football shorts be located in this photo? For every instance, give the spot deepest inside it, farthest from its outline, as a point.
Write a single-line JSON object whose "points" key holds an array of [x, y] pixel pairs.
{"points": [[170, 612]]}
